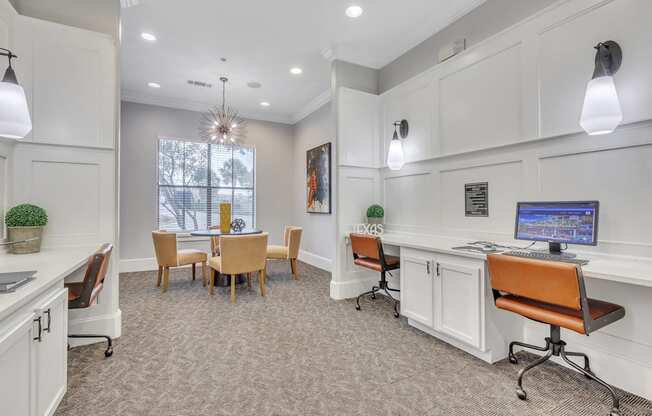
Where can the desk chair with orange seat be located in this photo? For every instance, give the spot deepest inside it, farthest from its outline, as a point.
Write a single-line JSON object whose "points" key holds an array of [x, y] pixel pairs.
{"points": [[84, 294], [368, 252], [552, 293]]}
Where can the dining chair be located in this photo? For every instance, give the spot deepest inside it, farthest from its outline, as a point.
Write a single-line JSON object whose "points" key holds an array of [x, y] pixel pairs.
{"points": [[239, 255], [167, 255], [290, 248]]}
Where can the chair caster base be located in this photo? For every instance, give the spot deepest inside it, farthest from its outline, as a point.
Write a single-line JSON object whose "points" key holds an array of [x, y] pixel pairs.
{"points": [[521, 394], [108, 352]]}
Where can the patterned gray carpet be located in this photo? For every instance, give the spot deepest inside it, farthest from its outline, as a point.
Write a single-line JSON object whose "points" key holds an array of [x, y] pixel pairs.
{"points": [[297, 352]]}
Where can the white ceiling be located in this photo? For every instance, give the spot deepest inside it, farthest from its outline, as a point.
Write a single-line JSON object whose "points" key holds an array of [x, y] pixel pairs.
{"points": [[262, 40]]}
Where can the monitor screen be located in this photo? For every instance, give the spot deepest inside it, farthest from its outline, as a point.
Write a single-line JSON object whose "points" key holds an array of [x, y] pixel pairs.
{"points": [[558, 222]]}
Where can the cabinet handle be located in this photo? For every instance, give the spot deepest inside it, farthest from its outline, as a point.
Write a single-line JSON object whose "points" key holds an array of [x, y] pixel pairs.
{"points": [[438, 273], [428, 267], [49, 312], [39, 337]]}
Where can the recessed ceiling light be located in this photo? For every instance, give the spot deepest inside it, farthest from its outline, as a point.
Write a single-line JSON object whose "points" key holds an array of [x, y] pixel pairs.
{"points": [[265, 104], [354, 11], [154, 85], [296, 71], [254, 84], [148, 37]]}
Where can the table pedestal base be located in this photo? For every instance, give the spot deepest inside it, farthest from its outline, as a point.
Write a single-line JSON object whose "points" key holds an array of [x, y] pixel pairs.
{"points": [[224, 280]]}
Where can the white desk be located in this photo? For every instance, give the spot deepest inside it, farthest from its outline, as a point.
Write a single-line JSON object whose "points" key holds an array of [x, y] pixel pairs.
{"points": [[34, 332], [447, 294]]}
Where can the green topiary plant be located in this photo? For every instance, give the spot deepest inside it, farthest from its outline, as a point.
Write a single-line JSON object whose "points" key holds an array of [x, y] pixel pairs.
{"points": [[26, 215], [375, 211]]}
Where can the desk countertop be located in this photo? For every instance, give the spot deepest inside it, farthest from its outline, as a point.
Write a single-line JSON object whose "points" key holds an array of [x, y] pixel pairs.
{"points": [[51, 265], [629, 270]]}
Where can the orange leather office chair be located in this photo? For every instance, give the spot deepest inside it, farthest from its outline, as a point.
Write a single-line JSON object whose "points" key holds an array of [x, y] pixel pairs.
{"points": [[84, 294], [552, 293], [368, 252]]}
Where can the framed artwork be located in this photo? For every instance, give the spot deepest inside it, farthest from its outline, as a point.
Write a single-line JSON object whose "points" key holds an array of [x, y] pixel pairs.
{"points": [[318, 179]]}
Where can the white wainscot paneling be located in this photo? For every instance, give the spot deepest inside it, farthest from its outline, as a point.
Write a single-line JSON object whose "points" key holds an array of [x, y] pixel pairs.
{"points": [[69, 78], [358, 125], [76, 188], [410, 200], [3, 193], [618, 178], [413, 101], [506, 183], [566, 57], [480, 105]]}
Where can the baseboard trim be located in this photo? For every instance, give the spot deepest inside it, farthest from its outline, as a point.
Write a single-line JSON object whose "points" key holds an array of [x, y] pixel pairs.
{"points": [[138, 265], [110, 325], [316, 261], [352, 288]]}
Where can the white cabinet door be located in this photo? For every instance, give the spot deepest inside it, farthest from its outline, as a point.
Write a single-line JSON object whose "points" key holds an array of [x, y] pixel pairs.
{"points": [[17, 349], [52, 353], [458, 300], [417, 286]]}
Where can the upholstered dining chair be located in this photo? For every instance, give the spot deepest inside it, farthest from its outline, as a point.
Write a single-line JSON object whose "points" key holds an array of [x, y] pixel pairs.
{"points": [[290, 248], [167, 255], [239, 255]]}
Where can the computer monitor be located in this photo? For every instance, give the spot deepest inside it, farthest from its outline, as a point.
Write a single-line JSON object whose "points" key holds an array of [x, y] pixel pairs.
{"points": [[557, 223]]}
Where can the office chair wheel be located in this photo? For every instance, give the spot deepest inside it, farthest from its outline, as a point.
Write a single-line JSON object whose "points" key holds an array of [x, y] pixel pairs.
{"points": [[373, 296], [521, 394], [512, 359], [614, 412], [108, 352], [357, 307], [396, 315]]}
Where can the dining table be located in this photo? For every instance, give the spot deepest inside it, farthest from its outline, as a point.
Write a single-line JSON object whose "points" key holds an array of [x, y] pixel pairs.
{"points": [[223, 280]]}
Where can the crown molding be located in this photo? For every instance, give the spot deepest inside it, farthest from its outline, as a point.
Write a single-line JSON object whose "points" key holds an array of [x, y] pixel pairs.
{"points": [[169, 102], [312, 106]]}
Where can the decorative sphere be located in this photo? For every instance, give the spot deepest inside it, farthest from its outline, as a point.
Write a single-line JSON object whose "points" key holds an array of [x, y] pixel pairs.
{"points": [[238, 225]]}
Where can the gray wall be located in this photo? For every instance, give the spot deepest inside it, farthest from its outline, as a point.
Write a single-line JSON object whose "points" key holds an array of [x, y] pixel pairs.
{"points": [[481, 23], [143, 124], [96, 15], [318, 229]]}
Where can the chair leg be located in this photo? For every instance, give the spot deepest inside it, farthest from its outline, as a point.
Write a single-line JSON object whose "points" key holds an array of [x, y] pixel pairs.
{"points": [[512, 357], [249, 280], [519, 390], [587, 364], [262, 278], [211, 285], [194, 271], [166, 279], [615, 408], [159, 276], [293, 266], [232, 288], [203, 273], [109, 343]]}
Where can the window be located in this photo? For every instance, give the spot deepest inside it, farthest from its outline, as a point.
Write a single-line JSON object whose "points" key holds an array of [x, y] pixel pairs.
{"points": [[194, 178]]}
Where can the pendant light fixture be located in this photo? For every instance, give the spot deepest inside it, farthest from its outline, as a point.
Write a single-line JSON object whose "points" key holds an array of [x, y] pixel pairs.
{"points": [[15, 121], [223, 124], [601, 113], [395, 157]]}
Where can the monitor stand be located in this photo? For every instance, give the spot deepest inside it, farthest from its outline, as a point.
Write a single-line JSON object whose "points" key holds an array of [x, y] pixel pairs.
{"points": [[555, 250]]}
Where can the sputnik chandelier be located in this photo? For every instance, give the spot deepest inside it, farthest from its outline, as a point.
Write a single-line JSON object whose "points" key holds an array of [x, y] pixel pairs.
{"points": [[223, 124]]}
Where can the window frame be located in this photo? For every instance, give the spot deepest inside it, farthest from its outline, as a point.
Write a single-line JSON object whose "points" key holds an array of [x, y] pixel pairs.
{"points": [[209, 189]]}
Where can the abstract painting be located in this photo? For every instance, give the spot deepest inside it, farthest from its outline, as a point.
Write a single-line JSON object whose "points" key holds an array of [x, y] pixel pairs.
{"points": [[318, 179]]}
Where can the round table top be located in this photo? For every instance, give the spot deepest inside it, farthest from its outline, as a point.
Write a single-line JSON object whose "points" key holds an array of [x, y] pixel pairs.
{"points": [[219, 233]]}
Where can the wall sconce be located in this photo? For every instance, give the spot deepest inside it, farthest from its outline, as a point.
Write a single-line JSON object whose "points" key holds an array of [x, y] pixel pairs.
{"points": [[395, 159], [601, 113], [15, 122]]}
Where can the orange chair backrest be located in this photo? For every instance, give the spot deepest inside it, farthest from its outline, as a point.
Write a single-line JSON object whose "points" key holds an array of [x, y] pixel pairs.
{"points": [[96, 270], [544, 281], [365, 246]]}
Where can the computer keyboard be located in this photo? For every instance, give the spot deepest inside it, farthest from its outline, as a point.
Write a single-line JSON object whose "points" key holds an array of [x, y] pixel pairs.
{"points": [[538, 255]]}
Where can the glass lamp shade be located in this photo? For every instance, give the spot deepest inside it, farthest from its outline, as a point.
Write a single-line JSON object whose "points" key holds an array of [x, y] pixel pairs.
{"points": [[15, 122], [601, 113], [395, 160]]}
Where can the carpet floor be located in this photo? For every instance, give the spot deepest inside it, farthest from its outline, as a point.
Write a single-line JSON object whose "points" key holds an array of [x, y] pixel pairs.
{"points": [[298, 352]]}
